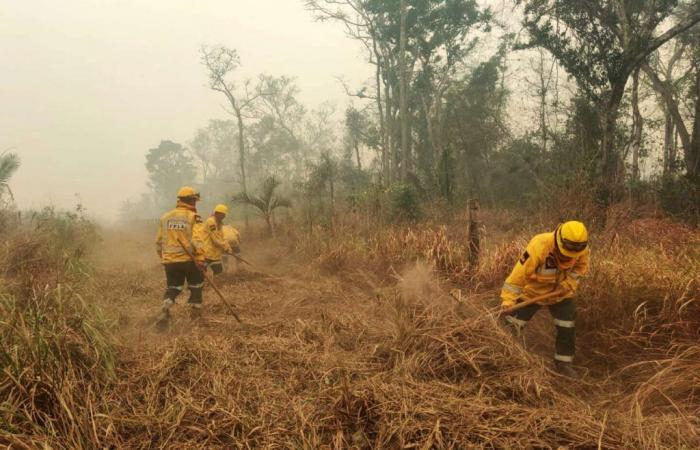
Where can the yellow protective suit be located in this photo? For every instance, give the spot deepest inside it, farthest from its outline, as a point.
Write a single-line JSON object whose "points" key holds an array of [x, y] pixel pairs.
{"points": [[178, 227], [232, 236], [539, 271], [213, 239]]}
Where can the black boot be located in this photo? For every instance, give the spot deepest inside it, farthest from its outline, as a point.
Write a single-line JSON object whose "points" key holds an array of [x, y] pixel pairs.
{"points": [[195, 312], [566, 369]]}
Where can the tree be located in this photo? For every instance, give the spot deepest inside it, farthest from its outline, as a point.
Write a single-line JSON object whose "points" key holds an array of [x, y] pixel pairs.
{"points": [[416, 47], [671, 92], [473, 130], [214, 149], [9, 163], [221, 63], [169, 167], [323, 177], [600, 44], [267, 202]]}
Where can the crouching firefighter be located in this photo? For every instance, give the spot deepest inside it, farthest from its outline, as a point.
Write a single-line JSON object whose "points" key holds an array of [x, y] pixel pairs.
{"points": [[554, 261], [215, 244], [233, 237], [178, 228]]}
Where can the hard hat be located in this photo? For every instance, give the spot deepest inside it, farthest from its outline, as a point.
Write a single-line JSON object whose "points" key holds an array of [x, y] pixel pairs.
{"points": [[187, 192], [223, 209], [572, 238]]}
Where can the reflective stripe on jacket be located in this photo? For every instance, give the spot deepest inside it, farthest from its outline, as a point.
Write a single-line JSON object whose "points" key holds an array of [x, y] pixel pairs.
{"points": [[539, 272], [176, 226], [213, 239]]}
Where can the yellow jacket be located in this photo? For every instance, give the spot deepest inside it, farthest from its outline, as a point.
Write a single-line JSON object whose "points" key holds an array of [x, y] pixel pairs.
{"points": [[213, 239], [539, 272], [231, 235], [179, 225]]}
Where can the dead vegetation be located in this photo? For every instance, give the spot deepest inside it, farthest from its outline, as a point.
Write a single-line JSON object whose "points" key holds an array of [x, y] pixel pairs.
{"points": [[354, 342]]}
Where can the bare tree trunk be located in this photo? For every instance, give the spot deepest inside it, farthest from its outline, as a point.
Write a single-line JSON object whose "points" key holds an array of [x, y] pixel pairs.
{"points": [[609, 157], [543, 101], [332, 188], [403, 107], [474, 238], [357, 155], [669, 142], [391, 128], [637, 127], [241, 149], [692, 154], [380, 110]]}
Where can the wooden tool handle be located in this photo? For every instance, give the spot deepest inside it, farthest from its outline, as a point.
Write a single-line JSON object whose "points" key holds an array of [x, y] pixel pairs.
{"points": [[211, 281], [530, 301]]}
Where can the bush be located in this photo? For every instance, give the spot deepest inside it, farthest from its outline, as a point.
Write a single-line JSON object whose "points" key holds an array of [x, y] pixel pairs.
{"points": [[679, 196], [56, 354], [405, 203]]}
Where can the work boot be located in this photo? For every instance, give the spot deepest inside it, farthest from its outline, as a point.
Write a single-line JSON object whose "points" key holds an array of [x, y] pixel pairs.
{"points": [[195, 312], [566, 369], [163, 320]]}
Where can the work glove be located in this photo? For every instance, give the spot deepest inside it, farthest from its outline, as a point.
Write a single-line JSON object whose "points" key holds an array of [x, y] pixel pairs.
{"points": [[236, 250], [507, 303], [201, 265]]}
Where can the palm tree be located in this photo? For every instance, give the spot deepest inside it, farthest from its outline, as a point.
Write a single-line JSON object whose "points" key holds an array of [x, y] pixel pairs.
{"points": [[267, 202], [9, 163]]}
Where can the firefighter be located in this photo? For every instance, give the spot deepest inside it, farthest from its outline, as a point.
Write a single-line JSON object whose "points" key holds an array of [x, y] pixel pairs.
{"points": [[215, 245], [178, 228], [233, 237], [552, 261]]}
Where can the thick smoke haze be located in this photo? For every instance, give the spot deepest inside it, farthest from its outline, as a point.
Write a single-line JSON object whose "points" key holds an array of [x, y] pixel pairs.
{"points": [[87, 87]]}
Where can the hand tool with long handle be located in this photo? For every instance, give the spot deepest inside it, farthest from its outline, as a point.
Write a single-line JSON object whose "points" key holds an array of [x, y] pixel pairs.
{"points": [[241, 259], [211, 281], [530, 301]]}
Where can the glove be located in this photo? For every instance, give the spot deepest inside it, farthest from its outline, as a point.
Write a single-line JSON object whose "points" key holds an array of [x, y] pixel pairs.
{"points": [[236, 250], [159, 253], [201, 265], [507, 303]]}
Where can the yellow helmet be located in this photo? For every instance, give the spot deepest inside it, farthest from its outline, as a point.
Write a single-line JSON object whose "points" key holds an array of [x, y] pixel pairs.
{"points": [[223, 209], [187, 192], [572, 238]]}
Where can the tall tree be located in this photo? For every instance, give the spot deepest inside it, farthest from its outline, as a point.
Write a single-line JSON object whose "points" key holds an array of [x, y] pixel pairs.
{"points": [[674, 92], [169, 167], [221, 63], [600, 43]]}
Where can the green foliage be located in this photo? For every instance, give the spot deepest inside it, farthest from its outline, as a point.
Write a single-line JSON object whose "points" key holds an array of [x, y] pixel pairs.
{"points": [[266, 202], [474, 128], [679, 196], [169, 167], [54, 344], [405, 203], [595, 41], [9, 163]]}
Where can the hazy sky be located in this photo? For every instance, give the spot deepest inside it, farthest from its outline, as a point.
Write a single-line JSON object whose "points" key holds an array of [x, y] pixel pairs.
{"points": [[88, 86]]}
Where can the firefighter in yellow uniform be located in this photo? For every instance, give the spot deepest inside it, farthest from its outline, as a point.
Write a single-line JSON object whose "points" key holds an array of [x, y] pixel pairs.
{"points": [[178, 229], [552, 261], [215, 245], [233, 237]]}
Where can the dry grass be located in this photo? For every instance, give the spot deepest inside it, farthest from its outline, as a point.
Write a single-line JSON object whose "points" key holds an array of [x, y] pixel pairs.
{"points": [[350, 340]]}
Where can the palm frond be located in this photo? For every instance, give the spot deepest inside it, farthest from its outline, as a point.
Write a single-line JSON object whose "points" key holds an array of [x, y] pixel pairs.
{"points": [[9, 163], [247, 199]]}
